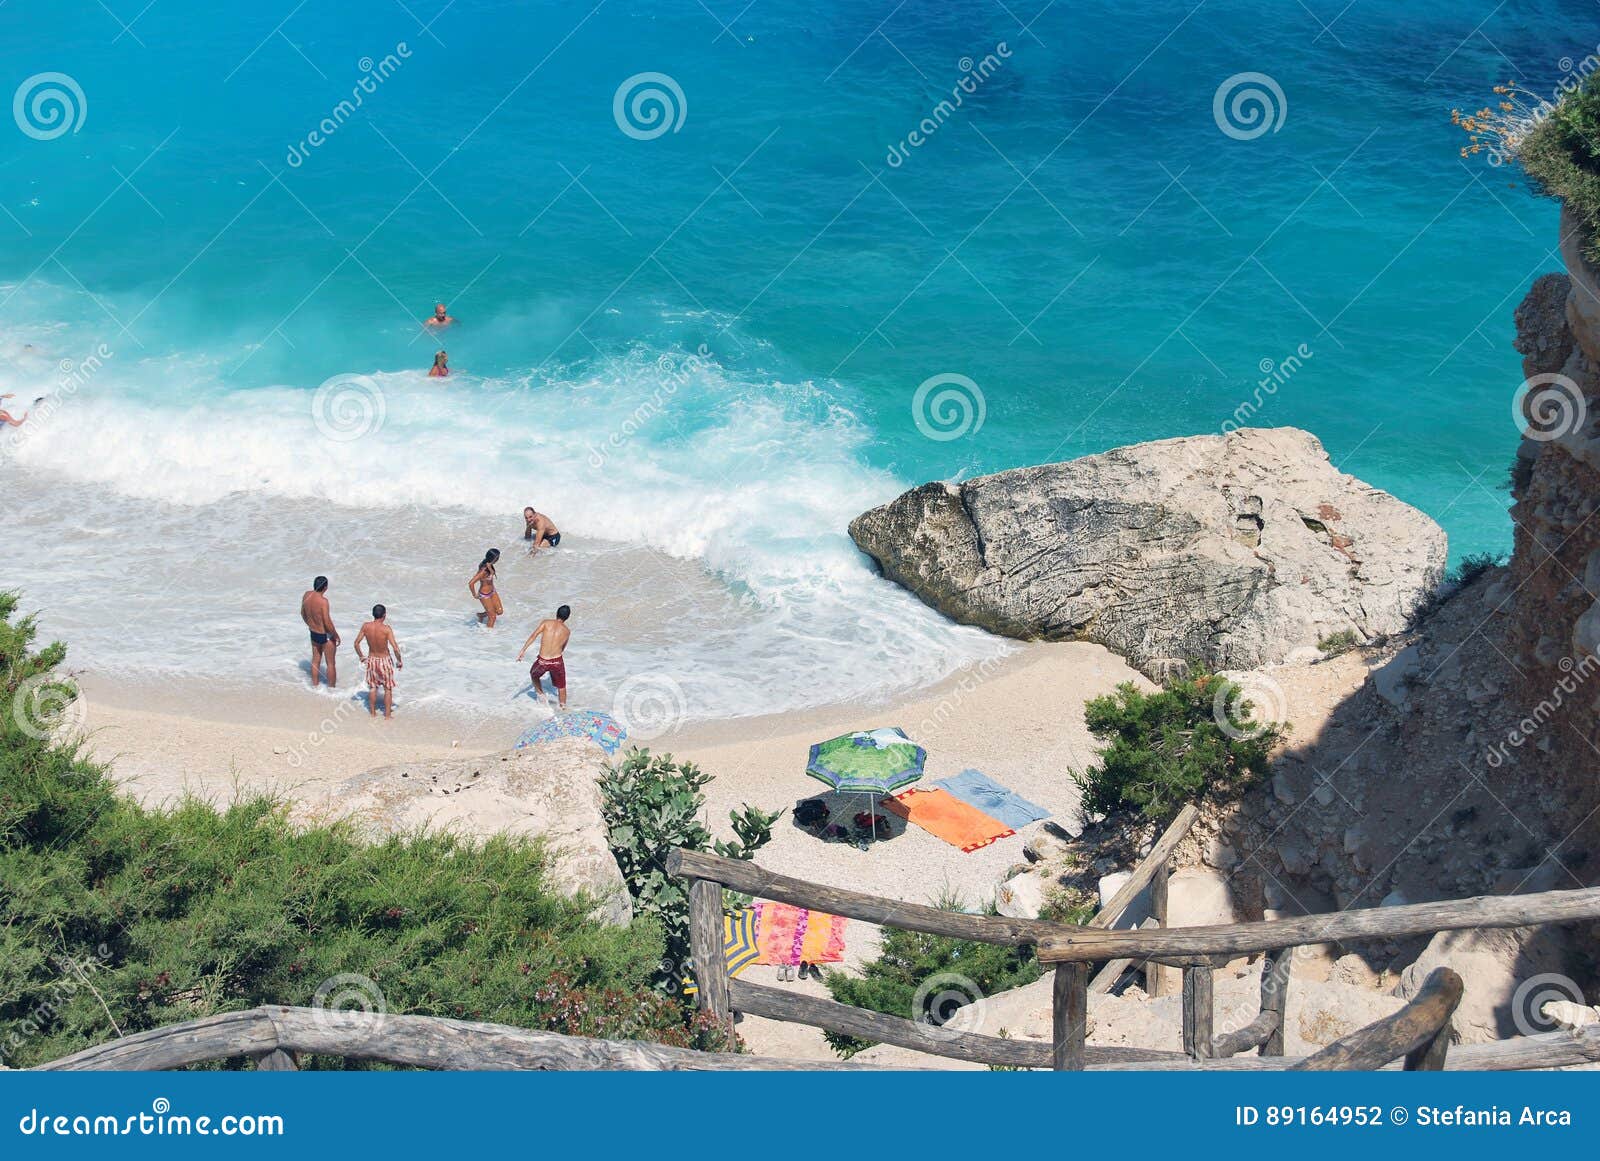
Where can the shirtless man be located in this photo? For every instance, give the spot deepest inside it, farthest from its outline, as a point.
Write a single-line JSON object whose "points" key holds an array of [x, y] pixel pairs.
{"points": [[318, 617], [540, 529], [379, 640], [552, 635], [441, 317]]}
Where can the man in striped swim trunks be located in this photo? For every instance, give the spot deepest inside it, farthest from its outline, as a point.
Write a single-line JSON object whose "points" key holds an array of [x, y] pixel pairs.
{"points": [[380, 642], [552, 634]]}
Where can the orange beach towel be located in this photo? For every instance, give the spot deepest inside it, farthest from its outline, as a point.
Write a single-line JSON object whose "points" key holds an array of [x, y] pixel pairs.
{"points": [[945, 816], [793, 935]]}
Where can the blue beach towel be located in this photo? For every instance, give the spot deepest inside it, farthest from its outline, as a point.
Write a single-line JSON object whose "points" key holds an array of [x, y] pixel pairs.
{"points": [[984, 793]]}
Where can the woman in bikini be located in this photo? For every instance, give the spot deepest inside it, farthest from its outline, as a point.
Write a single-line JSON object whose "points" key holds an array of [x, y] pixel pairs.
{"points": [[441, 366], [481, 586]]}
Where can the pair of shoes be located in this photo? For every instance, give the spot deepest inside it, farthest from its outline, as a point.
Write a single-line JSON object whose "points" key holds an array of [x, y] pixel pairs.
{"points": [[785, 972]]}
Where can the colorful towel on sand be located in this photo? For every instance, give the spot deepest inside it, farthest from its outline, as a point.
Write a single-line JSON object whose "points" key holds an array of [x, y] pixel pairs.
{"points": [[945, 816], [998, 802], [793, 935]]}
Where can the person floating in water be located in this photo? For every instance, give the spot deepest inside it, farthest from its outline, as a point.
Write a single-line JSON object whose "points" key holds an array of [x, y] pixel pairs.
{"points": [[481, 586], [441, 366], [441, 317], [6, 417], [540, 529], [380, 642], [552, 634], [318, 617]]}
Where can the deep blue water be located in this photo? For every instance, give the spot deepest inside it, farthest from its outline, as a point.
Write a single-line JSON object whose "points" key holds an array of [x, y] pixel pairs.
{"points": [[1079, 238]]}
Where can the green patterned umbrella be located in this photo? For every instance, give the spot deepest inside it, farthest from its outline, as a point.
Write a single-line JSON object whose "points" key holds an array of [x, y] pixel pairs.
{"points": [[868, 761]]}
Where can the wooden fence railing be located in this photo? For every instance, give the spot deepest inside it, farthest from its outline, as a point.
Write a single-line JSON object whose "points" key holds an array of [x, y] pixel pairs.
{"points": [[1420, 1032], [275, 1037]]}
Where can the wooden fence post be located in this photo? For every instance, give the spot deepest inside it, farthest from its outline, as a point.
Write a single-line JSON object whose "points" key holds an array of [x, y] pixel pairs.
{"points": [[1069, 1011], [1157, 977], [1197, 1012], [705, 950], [1275, 969], [1429, 1057]]}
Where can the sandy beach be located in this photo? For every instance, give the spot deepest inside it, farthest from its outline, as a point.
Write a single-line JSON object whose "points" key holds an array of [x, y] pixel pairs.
{"points": [[1019, 719]]}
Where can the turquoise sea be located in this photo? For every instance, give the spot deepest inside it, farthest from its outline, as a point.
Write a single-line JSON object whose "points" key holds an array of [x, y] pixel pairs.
{"points": [[704, 255]]}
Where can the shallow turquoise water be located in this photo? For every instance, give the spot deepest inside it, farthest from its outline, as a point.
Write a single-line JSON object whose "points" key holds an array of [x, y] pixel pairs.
{"points": [[1080, 239]]}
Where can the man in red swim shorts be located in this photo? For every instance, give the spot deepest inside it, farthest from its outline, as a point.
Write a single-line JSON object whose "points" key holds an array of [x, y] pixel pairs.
{"points": [[552, 635]]}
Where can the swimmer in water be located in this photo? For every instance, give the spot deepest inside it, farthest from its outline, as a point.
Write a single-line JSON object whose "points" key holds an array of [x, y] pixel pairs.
{"points": [[441, 366], [482, 587], [540, 529], [441, 317], [6, 417]]}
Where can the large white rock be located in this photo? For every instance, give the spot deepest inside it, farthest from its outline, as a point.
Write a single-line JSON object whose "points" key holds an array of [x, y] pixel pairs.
{"points": [[549, 791], [1234, 549], [1508, 974]]}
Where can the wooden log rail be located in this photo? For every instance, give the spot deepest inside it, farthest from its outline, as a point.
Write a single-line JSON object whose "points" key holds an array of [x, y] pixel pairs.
{"points": [[274, 1036], [1072, 950]]}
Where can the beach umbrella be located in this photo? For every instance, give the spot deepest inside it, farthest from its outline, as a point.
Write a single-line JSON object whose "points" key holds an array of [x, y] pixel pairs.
{"points": [[738, 945], [602, 729], [868, 761]]}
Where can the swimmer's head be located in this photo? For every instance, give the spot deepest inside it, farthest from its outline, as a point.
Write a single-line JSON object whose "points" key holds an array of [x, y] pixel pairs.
{"points": [[438, 310], [320, 584], [379, 612], [563, 612], [529, 512]]}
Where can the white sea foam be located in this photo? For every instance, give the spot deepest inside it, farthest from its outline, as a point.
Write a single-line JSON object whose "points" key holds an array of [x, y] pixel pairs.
{"points": [[165, 521]]}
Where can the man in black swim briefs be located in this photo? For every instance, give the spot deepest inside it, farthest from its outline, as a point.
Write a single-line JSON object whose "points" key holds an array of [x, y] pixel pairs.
{"points": [[318, 617], [540, 529]]}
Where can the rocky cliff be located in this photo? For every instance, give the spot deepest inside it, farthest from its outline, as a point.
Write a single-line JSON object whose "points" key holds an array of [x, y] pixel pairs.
{"points": [[1233, 549]]}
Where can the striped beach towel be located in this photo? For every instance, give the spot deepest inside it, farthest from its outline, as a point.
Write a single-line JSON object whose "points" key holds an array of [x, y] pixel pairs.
{"points": [[794, 935]]}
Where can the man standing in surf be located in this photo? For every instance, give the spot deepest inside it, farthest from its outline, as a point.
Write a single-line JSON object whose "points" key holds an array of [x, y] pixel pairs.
{"points": [[318, 617], [552, 634], [380, 642]]}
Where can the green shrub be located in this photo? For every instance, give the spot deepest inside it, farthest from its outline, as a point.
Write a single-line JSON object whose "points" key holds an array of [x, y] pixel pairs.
{"points": [[928, 978], [1063, 904], [1474, 565], [1557, 144], [1336, 644], [653, 805], [1196, 737], [116, 919]]}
